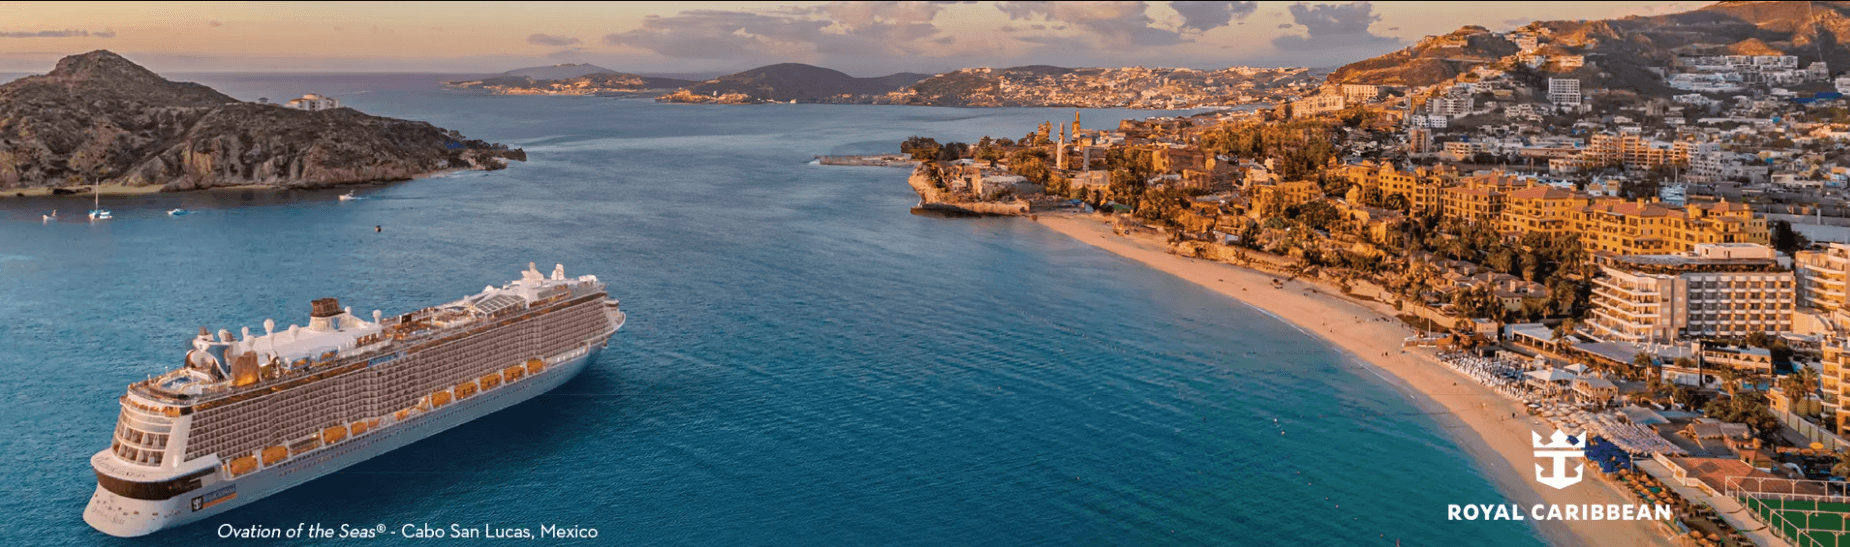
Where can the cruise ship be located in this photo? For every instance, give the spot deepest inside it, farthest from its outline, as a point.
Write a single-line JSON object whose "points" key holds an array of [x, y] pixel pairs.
{"points": [[249, 416]]}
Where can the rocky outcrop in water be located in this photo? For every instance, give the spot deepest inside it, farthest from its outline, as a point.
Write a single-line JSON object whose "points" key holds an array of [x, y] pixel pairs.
{"points": [[98, 118]]}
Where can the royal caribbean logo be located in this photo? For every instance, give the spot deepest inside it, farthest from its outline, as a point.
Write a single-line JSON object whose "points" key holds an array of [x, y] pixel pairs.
{"points": [[1560, 449]]}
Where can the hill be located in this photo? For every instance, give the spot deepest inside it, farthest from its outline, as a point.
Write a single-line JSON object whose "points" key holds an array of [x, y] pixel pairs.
{"points": [[558, 72], [1627, 53], [1432, 60], [788, 82], [1132, 87], [98, 118]]}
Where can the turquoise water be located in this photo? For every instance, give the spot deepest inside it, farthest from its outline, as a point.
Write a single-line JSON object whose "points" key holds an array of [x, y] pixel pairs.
{"points": [[806, 363]]}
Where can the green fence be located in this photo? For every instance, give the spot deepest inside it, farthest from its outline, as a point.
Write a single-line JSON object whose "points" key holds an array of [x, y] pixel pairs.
{"points": [[1804, 523]]}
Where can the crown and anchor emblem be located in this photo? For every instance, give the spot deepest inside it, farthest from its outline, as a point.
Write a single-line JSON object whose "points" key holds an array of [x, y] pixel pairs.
{"points": [[1559, 448]]}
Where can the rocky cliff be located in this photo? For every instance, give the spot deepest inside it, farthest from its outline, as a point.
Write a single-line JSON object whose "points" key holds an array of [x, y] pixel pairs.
{"points": [[98, 118]]}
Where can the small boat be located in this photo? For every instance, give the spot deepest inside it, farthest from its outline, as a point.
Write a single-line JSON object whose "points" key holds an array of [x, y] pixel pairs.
{"points": [[51, 216], [98, 212], [348, 196], [177, 212]]}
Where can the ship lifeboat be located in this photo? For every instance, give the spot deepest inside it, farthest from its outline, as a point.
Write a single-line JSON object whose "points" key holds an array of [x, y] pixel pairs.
{"points": [[358, 428], [465, 390], [490, 381], [439, 399], [298, 448], [334, 434], [510, 374], [534, 366], [242, 465], [402, 414], [274, 455]]}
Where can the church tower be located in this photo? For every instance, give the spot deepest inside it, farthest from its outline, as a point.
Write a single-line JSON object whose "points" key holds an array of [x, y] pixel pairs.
{"points": [[1059, 161]]}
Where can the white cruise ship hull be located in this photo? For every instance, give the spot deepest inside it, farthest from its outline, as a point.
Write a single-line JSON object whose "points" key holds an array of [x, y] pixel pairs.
{"points": [[124, 517]]}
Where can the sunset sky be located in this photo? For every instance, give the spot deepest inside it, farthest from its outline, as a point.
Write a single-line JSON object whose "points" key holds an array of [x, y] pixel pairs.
{"points": [[863, 39]]}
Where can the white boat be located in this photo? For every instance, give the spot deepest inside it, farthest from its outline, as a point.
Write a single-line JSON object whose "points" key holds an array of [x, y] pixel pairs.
{"points": [[177, 212], [51, 216], [97, 212], [250, 415], [348, 196]]}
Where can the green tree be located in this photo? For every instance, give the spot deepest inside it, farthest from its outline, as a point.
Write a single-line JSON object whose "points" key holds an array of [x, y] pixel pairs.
{"points": [[921, 148], [1787, 240]]}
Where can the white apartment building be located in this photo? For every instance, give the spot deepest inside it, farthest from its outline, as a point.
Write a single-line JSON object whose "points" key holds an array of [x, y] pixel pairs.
{"points": [[1564, 91], [1451, 106], [1717, 290], [314, 102]]}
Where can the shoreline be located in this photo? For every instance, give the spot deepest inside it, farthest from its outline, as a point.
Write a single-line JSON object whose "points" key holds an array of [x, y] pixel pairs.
{"points": [[123, 190], [1475, 417]]}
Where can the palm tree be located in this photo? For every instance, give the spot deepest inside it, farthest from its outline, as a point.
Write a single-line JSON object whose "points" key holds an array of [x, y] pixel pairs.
{"points": [[1801, 385], [1731, 379]]}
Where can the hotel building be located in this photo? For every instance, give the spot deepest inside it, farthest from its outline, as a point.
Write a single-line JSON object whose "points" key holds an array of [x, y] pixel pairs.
{"points": [[1721, 290]]}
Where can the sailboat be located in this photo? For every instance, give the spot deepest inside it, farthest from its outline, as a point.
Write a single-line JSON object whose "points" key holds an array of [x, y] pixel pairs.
{"points": [[98, 212]]}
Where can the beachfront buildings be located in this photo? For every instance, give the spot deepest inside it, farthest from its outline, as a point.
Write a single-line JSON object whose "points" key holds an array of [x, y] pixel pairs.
{"points": [[1718, 290], [1640, 227], [1272, 199]]}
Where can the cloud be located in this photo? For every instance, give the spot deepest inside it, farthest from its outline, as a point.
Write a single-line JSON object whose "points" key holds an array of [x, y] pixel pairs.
{"points": [[1285, 25], [67, 33], [847, 29], [214, 24], [567, 54], [1206, 16], [1330, 26], [550, 40], [1515, 22], [1118, 24]]}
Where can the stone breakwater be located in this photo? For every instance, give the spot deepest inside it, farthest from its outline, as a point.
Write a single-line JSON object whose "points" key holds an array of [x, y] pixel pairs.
{"points": [[933, 197]]}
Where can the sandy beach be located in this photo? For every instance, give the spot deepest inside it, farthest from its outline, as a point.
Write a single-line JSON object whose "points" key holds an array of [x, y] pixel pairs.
{"points": [[1476, 417]]}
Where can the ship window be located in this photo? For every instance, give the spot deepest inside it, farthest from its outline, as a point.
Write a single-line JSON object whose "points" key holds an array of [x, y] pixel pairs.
{"points": [[153, 491]]}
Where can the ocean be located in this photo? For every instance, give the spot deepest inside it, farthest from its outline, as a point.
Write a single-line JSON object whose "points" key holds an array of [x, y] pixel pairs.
{"points": [[806, 362]]}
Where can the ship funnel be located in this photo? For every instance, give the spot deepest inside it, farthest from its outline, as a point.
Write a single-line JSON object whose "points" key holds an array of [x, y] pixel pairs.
{"points": [[558, 272]]}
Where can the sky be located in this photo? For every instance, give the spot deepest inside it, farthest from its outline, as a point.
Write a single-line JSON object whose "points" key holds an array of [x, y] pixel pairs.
{"points": [[860, 38]]}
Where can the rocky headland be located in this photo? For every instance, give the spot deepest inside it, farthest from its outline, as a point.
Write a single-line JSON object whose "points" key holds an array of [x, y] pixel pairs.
{"points": [[100, 119]]}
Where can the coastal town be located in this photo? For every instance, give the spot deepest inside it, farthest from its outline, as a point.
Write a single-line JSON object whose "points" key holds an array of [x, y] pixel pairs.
{"points": [[1665, 272]]}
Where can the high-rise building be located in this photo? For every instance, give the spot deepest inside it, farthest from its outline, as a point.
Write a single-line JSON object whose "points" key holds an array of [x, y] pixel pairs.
{"points": [[1718, 290], [1564, 91], [1822, 276]]}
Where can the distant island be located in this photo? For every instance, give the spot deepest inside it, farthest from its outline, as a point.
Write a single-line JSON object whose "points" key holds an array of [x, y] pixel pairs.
{"points": [[570, 79], [1025, 86], [99, 119]]}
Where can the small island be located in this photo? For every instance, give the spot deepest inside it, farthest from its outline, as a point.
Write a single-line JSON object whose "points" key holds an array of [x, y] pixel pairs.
{"points": [[99, 120], [570, 79]]}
